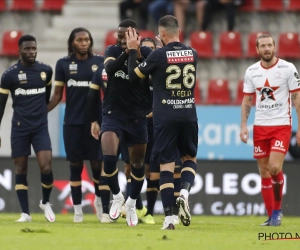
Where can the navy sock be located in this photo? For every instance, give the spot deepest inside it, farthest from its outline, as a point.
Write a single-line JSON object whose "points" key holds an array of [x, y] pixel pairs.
{"points": [[111, 173], [128, 188], [47, 184], [167, 191], [177, 182], [104, 193], [137, 181], [151, 194], [96, 177], [22, 192], [75, 183], [188, 172], [139, 204]]}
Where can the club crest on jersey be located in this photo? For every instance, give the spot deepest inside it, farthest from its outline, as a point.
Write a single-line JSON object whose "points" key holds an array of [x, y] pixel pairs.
{"points": [[43, 76], [180, 56], [22, 76], [94, 68], [267, 91], [73, 66]]}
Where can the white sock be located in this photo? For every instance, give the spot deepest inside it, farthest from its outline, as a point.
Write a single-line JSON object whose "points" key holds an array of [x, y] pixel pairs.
{"points": [[97, 199], [78, 209], [130, 202], [118, 196], [185, 193], [169, 219]]}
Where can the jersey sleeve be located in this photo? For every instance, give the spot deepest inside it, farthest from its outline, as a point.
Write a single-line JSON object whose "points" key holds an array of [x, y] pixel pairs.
{"points": [[97, 79], [49, 76], [149, 65], [59, 74], [293, 78], [249, 87], [5, 83]]}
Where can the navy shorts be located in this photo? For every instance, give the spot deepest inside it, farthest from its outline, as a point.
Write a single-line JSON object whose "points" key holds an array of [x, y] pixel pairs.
{"points": [[171, 136], [155, 166], [123, 151], [80, 144], [133, 131], [21, 141]]}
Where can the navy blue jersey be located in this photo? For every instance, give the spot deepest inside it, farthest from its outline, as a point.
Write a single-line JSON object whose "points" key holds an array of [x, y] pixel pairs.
{"points": [[173, 71], [123, 97], [76, 75], [27, 85]]}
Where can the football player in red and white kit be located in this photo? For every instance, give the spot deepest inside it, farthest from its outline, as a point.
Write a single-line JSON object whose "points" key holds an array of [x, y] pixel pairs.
{"points": [[275, 82]]}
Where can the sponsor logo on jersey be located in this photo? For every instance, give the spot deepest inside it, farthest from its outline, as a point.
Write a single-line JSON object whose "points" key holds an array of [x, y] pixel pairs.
{"points": [[73, 66], [94, 68], [180, 56], [20, 91], [74, 83], [267, 92], [22, 76], [180, 104], [121, 74], [104, 75], [283, 66], [297, 78], [256, 76], [43, 76]]}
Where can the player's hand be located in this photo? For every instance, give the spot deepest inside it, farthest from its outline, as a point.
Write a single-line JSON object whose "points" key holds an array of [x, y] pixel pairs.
{"points": [[160, 44], [95, 130], [132, 38], [150, 115], [244, 134], [297, 138]]}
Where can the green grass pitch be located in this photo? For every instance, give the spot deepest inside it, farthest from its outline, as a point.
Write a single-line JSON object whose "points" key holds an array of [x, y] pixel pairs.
{"points": [[205, 232]]}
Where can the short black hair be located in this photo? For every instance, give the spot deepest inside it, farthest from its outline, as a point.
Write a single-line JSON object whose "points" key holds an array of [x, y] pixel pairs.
{"points": [[168, 22], [128, 23], [72, 37], [26, 38], [149, 39]]}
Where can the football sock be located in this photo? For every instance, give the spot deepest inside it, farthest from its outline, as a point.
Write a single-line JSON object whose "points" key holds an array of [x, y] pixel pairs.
{"points": [[188, 173], [137, 181], [111, 172], [47, 184], [177, 186], [75, 183], [22, 192], [267, 194], [151, 194], [277, 183], [96, 177], [128, 188], [167, 191], [139, 204], [104, 193]]}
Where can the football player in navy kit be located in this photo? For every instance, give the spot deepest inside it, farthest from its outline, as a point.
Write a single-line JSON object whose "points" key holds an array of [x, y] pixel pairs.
{"points": [[75, 72], [125, 107], [29, 82], [173, 71]]}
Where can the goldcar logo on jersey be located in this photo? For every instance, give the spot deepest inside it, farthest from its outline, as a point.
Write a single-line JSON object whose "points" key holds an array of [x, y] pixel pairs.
{"points": [[20, 91], [180, 56], [74, 83]]}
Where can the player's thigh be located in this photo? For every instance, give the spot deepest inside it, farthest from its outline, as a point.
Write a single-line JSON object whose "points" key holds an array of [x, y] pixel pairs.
{"points": [[73, 140], [136, 131], [123, 150], [188, 139], [280, 139], [165, 142], [20, 144], [40, 140], [149, 144]]}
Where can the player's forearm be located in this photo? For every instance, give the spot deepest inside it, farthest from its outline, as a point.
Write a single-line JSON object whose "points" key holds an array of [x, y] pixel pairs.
{"points": [[3, 100], [245, 109], [56, 98], [133, 77], [112, 66], [296, 102], [93, 104]]}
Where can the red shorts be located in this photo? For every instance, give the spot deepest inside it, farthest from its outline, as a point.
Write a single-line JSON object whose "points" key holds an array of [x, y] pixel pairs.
{"points": [[271, 138]]}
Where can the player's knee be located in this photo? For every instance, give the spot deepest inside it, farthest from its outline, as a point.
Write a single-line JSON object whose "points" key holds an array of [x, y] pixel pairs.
{"points": [[275, 169], [138, 164], [46, 168]]}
